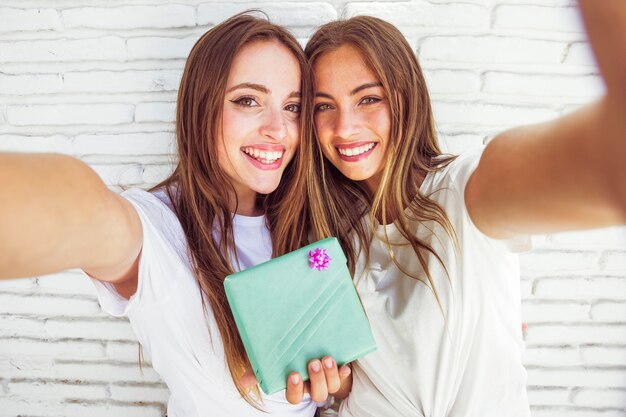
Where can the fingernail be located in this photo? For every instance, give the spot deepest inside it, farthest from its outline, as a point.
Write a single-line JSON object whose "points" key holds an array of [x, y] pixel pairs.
{"points": [[294, 379], [328, 363], [345, 370], [315, 366]]}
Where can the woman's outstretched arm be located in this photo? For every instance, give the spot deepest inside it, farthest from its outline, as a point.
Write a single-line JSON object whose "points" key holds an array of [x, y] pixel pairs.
{"points": [[56, 214], [569, 173]]}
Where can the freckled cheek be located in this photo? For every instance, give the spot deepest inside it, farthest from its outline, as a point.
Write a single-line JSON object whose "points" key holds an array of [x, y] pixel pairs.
{"points": [[381, 123], [324, 132]]}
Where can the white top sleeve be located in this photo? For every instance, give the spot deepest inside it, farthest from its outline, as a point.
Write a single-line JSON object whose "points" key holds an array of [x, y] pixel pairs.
{"points": [[460, 171], [162, 250]]}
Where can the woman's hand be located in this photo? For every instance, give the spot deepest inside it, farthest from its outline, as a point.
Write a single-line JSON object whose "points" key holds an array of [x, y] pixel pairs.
{"points": [[324, 379]]}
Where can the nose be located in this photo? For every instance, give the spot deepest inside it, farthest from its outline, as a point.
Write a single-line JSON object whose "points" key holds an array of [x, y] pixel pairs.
{"points": [[274, 126], [346, 123]]}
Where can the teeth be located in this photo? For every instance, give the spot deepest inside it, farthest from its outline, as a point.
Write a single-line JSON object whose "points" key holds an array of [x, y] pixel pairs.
{"points": [[265, 157], [356, 151]]}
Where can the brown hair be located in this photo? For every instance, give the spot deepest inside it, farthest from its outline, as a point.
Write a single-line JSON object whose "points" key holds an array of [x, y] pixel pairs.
{"points": [[413, 150], [200, 191]]}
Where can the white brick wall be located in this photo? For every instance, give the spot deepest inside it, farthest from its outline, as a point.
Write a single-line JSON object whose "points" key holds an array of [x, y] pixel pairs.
{"points": [[98, 80]]}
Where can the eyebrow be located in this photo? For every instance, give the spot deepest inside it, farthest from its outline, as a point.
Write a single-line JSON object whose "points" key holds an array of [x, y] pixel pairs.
{"points": [[261, 88], [354, 91]]}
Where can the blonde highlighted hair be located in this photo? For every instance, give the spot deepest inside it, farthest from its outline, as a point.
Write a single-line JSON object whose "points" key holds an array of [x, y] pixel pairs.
{"points": [[340, 204]]}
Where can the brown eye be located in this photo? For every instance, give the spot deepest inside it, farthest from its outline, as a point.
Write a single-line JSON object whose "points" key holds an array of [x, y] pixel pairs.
{"points": [[322, 107], [370, 100], [294, 108], [245, 102]]}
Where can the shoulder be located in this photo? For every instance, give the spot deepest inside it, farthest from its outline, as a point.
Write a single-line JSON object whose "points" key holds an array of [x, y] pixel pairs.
{"points": [[456, 173]]}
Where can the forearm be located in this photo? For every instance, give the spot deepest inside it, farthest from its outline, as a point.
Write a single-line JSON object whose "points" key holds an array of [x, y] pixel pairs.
{"points": [[562, 175], [48, 204]]}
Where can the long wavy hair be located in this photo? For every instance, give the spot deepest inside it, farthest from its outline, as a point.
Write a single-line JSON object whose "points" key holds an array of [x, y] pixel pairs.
{"points": [[339, 204], [200, 191]]}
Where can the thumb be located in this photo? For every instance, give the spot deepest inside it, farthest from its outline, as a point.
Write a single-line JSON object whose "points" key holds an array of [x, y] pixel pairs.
{"points": [[345, 372], [248, 379]]}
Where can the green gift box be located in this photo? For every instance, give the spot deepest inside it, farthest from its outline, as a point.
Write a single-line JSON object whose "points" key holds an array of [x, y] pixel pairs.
{"points": [[297, 307]]}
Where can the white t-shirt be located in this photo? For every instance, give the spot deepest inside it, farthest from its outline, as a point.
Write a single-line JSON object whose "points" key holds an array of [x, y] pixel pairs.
{"points": [[474, 367], [168, 319]]}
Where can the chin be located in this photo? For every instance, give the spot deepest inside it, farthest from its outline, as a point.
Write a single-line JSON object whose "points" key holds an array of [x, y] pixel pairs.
{"points": [[266, 188]]}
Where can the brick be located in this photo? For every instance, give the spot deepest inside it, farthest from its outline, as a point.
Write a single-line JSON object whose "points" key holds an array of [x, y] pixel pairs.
{"points": [[88, 371], [422, 13], [491, 49], [97, 330], [153, 174], [603, 355], [609, 312], [153, 143], [600, 398], [46, 391], [563, 334], [291, 14], [42, 305], [553, 86], [614, 261], [12, 20], [15, 407], [122, 174], [74, 283], [151, 47], [18, 143], [559, 411], [13, 326], [479, 114], [127, 393], [556, 356], [581, 288], [17, 284], [459, 143], [155, 112], [124, 351], [67, 349], [610, 378], [122, 81], [610, 237], [70, 114], [580, 53], [544, 312], [450, 81], [108, 48], [549, 396], [130, 17], [24, 84], [559, 261], [552, 19]]}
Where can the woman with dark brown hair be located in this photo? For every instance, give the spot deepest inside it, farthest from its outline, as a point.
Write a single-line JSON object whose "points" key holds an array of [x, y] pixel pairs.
{"points": [[429, 236], [160, 257]]}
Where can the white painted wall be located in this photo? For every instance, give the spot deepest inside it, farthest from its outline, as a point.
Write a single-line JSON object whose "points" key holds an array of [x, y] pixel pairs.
{"points": [[97, 79]]}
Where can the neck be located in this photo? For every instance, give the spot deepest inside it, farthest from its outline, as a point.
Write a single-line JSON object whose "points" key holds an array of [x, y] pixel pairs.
{"points": [[247, 204]]}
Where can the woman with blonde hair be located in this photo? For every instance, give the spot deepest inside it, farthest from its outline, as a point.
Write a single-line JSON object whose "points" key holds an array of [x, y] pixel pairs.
{"points": [[430, 236], [160, 257]]}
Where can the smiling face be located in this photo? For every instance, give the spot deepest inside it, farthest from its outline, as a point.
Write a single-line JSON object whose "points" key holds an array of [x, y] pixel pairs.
{"points": [[352, 115], [260, 121]]}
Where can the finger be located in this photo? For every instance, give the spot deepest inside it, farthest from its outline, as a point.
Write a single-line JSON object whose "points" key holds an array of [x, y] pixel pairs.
{"points": [[332, 375], [345, 377], [295, 389], [345, 372], [248, 379], [317, 381]]}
